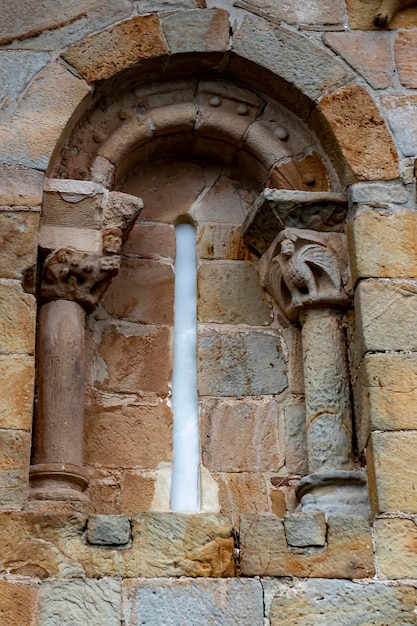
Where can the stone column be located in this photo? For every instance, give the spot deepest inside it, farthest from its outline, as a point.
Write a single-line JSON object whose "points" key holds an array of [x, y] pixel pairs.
{"points": [[72, 283], [307, 274]]}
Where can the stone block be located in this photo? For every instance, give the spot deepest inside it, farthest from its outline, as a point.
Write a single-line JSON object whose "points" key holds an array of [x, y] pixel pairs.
{"points": [[264, 550], [378, 194], [241, 492], [16, 392], [401, 113], [229, 602], [385, 394], [241, 435], [296, 437], [135, 359], [194, 30], [230, 293], [143, 292], [396, 547], [18, 245], [327, 14], [404, 46], [305, 529], [108, 530], [293, 57], [151, 241], [307, 174], [241, 363], [30, 144], [20, 186], [382, 246], [17, 319], [18, 603], [221, 241], [385, 316], [152, 6], [103, 492], [83, 239], [368, 53], [137, 493], [361, 15], [14, 488], [14, 449], [361, 133], [392, 472], [17, 69], [341, 602], [72, 202], [117, 48], [126, 436], [69, 602]]}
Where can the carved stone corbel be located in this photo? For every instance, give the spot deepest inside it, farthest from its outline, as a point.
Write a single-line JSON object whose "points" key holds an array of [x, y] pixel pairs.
{"points": [[72, 284]]}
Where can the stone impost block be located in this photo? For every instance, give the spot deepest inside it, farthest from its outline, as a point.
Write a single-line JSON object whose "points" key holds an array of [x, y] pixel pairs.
{"points": [[16, 391], [341, 602], [32, 144], [92, 602], [392, 472], [196, 31], [17, 319], [385, 394], [72, 203], [361, 134], [108, 530], [293, 57], [229, 602], [20, 186], [117, 48], [264, 549], [396, 547], [401, 113], [230, 293], [240, 363], [18, 244], [385, 316], [83, 239], [305, 529], [382, 246], [18, 603]]}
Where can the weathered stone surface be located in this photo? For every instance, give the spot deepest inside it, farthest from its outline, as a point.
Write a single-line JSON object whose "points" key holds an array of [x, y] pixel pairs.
{"points": [[361, 133], [137, 493], [18, 244], [362, 15], [196, 31], [392, 472], [291, 56], [20, 186], [230, 293], [72, 202], [108, 530], [14, 449], [93, 602], [328, 12], [125, 436], [296, 437], [307, 174], [241, 492], [151, 241], [117, 48], [103, 492], [230, 602], [240, 363], [17, 319], [378, 194], [395, 547], [14, 488], [151, 6], [136, 358], [222, 204], [18, 603], [51, 26], [142, 291], [385, 316], [386, 394], [368, 53], [240, 435], [404, 45], [17, 69], [264, 549], [16, 392], [341, 602], [30, 144], [401, 113], [305, 529], [221, 241]]}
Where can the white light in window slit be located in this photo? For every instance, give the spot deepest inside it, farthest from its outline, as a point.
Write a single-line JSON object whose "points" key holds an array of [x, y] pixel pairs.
{"points": [[185, 491]]}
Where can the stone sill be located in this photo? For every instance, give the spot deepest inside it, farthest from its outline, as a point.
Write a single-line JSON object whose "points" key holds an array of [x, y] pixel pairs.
{"points": [[41, 544]]}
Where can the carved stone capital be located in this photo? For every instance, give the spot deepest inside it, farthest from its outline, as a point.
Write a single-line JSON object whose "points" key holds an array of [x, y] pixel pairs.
{"points": [[77, 276], [304, 268]]}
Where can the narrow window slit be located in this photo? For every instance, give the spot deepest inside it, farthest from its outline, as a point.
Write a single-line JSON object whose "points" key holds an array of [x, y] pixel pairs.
{"points": [[185, 488]]}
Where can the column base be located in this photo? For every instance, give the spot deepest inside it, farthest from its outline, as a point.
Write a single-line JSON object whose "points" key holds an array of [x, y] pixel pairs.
{"points": [[337, 492], [58, 482]]}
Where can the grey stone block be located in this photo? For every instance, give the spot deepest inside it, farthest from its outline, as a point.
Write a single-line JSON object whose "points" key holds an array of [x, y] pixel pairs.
{"points": [[378, 193], [305, 529], [108, 530]]}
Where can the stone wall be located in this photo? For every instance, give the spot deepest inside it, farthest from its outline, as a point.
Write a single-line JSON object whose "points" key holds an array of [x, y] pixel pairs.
{"points": [[196, 109]]}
